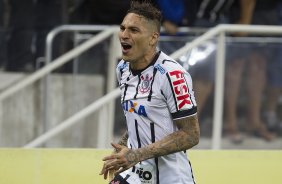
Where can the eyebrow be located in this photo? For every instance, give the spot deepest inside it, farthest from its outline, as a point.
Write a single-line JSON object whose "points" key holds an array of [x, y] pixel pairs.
{"points": [[130, 27]]}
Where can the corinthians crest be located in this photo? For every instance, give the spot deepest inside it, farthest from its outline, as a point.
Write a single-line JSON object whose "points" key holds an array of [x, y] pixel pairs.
{"points": [[145, 84]]}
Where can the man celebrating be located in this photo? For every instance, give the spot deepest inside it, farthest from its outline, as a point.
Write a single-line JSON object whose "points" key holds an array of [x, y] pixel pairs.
{"points": [[159, 105]]}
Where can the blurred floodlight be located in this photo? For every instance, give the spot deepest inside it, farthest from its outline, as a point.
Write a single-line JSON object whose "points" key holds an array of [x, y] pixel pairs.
{"points": [[197, 54]]}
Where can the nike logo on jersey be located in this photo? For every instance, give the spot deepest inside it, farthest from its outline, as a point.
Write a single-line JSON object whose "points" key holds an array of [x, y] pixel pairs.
{"points": [[133, 107], [180, 89]]}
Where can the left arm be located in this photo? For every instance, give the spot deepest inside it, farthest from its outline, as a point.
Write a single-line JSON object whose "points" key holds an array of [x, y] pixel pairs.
{"points": [[185, 138]]}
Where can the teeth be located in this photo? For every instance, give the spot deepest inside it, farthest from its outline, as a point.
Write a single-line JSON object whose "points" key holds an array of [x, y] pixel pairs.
{"points": [[126, 46]]}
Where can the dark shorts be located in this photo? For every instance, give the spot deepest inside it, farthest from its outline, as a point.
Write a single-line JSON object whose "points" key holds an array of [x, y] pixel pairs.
{"points": [[118, 180], [271, 52]]}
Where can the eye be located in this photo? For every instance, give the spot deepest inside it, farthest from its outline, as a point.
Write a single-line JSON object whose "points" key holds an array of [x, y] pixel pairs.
{"points": [[121, 28], [134, 30]]}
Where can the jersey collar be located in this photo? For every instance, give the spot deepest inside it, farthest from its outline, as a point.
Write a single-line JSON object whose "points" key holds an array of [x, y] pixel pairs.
{"points": [[138, 72]]}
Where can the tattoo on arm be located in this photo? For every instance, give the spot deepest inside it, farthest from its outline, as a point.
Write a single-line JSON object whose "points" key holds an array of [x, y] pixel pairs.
{"points": [[191, 127], [133, 156], [123, 140], [185, 138]]}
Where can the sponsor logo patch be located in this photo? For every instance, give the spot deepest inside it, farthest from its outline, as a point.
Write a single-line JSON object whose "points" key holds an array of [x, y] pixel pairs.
{"points": [[180, 89], [160, 69], [133, 107]]}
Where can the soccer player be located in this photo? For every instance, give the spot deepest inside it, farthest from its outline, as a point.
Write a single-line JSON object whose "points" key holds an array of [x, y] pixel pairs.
{"points": [[159, 105]]}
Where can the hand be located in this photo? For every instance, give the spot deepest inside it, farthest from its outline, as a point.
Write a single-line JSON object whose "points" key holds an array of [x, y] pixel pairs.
{"points": [[109, 172], [124, 159]]}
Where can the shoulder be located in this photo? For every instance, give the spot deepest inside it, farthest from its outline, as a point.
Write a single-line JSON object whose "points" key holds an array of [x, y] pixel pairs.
{"points": [[170, 72], [122, 66], [166, 64]]}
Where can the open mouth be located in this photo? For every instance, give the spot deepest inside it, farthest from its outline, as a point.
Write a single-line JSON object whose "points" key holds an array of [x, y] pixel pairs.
{"points": [[125, 47]]}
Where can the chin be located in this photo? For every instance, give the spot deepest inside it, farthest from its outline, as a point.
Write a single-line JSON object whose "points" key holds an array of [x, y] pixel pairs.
{"points": [[126, 58]]}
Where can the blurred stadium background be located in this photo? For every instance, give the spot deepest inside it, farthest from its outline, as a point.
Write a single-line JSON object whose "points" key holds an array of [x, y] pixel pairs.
{"points": [[33, 103]]}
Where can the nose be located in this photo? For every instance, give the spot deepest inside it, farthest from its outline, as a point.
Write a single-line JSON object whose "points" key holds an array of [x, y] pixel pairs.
{"points": [[123, 33]]}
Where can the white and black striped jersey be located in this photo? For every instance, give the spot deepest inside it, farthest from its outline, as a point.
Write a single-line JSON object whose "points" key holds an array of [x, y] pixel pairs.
{"points": [[151, 100]]}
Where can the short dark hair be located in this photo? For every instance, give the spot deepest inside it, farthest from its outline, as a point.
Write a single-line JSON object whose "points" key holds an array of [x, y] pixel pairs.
{"points": [[147, 10]]}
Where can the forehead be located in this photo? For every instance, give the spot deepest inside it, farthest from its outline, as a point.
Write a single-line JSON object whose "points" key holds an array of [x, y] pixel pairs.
{"points": [[132, 19]]}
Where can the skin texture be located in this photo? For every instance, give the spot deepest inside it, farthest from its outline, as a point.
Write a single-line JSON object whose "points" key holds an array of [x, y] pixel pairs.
{"points": [[123, 139], [142, 36], [246, 14], [185, 138]]}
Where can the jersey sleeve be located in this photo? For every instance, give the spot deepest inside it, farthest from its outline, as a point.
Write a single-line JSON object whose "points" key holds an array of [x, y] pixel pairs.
{"points": [[178, 91]]}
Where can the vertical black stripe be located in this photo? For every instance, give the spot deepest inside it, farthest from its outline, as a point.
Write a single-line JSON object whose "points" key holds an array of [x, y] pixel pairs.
{"points": [[124, 93], [192, 172], [125, 89], [163, 94], [137, 134], [151, 90], [153, 137], [175, 102], [121, 70], [139, 80], [157, 170]]}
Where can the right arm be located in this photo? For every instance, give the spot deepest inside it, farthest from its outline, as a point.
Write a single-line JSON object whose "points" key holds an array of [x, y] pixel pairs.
{"points": [[123, 139]]}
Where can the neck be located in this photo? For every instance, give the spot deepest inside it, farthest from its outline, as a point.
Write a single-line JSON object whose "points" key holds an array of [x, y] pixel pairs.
{"points": [[143, 62]]}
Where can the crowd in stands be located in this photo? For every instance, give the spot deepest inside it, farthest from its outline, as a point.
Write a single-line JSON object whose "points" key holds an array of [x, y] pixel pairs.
{"points": [[24, 25]]}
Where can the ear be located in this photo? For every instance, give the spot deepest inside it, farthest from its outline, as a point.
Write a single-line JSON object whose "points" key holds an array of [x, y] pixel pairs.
{"points": [[154, 38]]}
